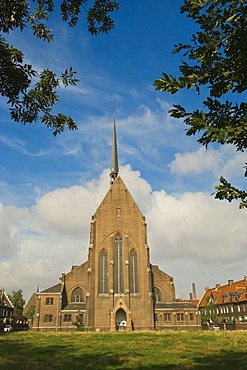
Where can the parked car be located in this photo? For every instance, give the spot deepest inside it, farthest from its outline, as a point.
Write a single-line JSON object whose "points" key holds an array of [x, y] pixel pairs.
{"points": [[215, 327], [7, 328]]}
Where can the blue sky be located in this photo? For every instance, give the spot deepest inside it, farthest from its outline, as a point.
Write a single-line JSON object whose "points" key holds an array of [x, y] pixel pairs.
{"points": [[50, 187]]}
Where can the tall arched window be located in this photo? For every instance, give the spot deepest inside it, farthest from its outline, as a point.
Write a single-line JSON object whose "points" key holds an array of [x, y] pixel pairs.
{"points": [[133, 272], [157, 295], [103, 272], [118, 264], [77, 295]]}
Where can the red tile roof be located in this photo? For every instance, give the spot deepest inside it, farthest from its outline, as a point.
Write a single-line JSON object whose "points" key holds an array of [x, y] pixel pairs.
{"points": [[234, 291]]}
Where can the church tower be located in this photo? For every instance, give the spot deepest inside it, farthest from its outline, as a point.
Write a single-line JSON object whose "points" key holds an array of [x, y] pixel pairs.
{"points": [[117, 288], [120, 278]]}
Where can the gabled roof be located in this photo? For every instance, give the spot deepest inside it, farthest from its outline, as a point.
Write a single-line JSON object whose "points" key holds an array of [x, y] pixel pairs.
{"points": [[58, 288], [156, 269], [54, 289], [234, 291], [117, 186], [74, 307], [4, 299]]}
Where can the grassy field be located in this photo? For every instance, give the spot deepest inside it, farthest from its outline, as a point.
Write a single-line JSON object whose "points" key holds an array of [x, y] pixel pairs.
{"points": [[135, 350]]}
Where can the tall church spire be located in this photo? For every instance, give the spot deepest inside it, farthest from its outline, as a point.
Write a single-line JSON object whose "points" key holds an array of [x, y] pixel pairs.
{"points": [[114, 158]]}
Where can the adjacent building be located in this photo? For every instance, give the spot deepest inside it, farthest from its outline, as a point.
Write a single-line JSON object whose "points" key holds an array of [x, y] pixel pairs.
{"points": [[225, 303], [6, 309]]}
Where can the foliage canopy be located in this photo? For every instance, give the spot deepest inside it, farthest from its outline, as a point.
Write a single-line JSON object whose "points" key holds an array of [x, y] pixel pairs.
{"points": [[18, 302], [216, 58], [30, 95]]}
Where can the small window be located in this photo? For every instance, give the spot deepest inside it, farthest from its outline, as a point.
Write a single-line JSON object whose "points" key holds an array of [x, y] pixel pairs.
{"points": [[191, 317], [118, 211], [48, 318], [167, 317], [49, 301], [80, 318], [180, 316], [67, 318], [224, 296]]}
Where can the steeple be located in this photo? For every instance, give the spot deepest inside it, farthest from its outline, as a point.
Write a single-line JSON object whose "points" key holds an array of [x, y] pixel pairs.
{"points": [[114, 158]]}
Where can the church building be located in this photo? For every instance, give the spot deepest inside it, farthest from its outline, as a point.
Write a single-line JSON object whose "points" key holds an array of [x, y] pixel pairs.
{"points": [[117, 288]]}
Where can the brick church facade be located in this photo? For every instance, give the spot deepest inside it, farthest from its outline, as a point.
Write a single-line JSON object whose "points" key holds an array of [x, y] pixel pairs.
{"points": [[117, 288]]}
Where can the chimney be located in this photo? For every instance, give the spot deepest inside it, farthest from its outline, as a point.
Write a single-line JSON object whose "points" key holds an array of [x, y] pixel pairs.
{"points": [[217, 286], [230, 282], [191, 297], [245, 280], [62, 278], [193, 291]]}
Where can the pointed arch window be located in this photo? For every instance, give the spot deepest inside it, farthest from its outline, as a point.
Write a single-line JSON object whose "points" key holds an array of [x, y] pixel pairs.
{"points": [[77, 295], [103, 272], [118, 264], [157, 295], [133, 272]]}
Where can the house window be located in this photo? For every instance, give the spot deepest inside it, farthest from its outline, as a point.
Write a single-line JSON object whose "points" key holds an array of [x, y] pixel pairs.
{"points": [[77, 295], [67, 318], [157, 295], [224, 296], [48, 318], [80, 318], [133, 272], [180, 317], [49, 301], [103, 273], [118, 264], [167, 316], [191, 317]]}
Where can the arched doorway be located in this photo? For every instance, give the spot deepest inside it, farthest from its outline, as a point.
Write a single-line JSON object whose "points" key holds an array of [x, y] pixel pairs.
{"points": [[120, 319]]}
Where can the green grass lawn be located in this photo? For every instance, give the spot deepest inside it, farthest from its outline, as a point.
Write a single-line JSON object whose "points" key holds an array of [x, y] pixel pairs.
{"points": [[134, 350]]}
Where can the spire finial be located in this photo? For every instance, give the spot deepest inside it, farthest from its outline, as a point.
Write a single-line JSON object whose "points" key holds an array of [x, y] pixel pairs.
{"points": [[114, 158]]}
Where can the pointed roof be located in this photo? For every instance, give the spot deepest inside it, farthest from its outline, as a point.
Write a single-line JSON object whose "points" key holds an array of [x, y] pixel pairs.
{"points": [[114, 158], [4, 299], [113, 194]]}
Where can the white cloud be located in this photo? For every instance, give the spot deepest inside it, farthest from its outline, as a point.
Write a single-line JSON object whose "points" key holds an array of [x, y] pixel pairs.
{"points": [[195, 226], [221, 161], [197, 162], [192, 237]]}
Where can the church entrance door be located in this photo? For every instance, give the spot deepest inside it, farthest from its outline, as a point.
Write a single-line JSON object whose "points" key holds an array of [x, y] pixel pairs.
{"points": [[120, 319]]}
